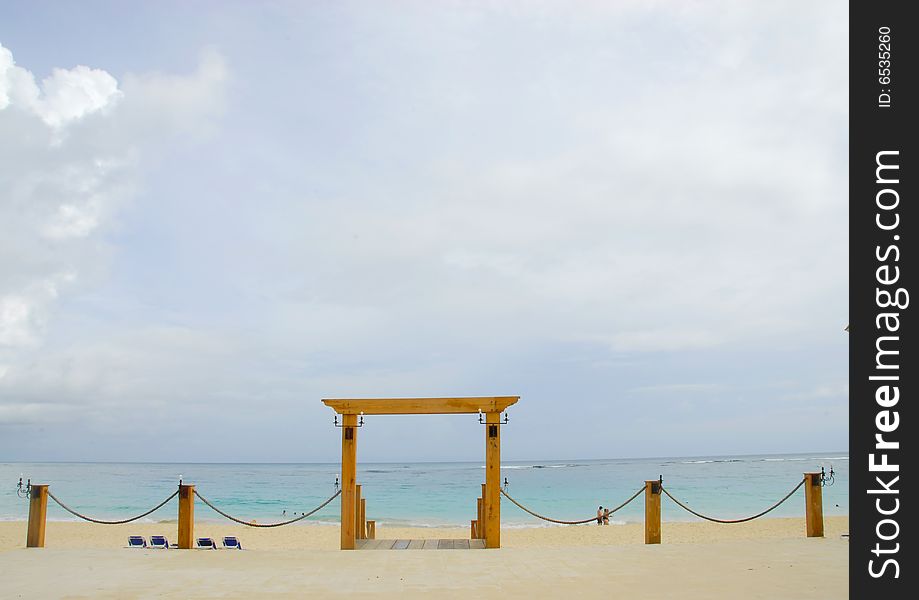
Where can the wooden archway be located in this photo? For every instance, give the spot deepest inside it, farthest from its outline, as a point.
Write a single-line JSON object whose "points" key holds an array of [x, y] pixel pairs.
{"points": [[490, 406]]}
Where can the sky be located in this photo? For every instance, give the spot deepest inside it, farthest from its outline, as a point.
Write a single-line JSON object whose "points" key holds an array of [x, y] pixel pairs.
{"points": [[634, 215]]}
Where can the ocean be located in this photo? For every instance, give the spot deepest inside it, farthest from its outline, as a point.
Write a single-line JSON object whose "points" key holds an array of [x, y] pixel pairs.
{"points": [[434, 494]]}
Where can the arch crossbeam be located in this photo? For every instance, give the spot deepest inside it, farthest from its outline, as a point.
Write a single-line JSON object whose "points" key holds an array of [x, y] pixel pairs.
{"points": [[420, 406]]}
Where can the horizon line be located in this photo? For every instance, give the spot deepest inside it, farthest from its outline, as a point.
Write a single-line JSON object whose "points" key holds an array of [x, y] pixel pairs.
{"points": [[390, 462]]}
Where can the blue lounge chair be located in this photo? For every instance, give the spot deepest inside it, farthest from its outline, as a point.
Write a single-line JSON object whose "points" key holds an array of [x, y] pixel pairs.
{"points": [[231, 543], [159, 541], [136, 541], [207, 544]]}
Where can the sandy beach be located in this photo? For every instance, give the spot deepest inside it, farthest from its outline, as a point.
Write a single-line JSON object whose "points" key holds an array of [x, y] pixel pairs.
{"points": [[766, 558]]}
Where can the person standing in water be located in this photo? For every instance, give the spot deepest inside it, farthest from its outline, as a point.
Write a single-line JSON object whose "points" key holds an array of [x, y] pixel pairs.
{"points": [[606, 516], [600, 516]]}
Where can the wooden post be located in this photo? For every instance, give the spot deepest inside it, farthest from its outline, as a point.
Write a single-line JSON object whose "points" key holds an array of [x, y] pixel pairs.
{"points": [[362, 522], [473, 534], [653, 512], [348, 480], [478, 516], [186, 516], [38, 510], [492, 499], [371, 530], [358, 535], [813, 500]]}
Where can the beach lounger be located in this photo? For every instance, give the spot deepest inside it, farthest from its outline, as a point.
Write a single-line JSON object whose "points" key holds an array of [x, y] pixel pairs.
{"points": [[231, 543], [136, 541], [159, 541], [207, 544]]}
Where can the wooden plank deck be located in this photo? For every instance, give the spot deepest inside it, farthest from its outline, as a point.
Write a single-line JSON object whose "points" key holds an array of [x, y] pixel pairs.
{"points": [[428, 544]]}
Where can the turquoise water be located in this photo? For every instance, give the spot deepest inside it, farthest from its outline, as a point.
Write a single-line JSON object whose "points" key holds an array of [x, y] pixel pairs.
{"points": [[433, 494]]}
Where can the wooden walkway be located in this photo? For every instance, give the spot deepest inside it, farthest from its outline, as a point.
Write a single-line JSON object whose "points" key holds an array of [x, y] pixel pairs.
{"points": [[431, 544]]}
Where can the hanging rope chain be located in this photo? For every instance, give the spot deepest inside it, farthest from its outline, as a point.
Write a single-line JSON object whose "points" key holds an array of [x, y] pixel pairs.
{"points": [[581, 522], [503, 492], [250, 524], [745, 519], [102, 522]]}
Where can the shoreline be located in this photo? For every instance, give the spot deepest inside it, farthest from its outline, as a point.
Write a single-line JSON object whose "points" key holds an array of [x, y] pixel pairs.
{"points": [[534, 524], [68, 534]]}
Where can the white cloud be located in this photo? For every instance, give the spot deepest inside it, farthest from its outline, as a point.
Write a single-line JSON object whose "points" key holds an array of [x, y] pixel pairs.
{"points": [[73, 221], [16, 84], [66, 95], [178, 104], [69, 162], [16, 328], [23, 314]]}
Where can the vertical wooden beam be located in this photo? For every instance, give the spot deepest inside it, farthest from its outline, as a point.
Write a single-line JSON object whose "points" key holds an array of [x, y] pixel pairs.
{"points": [[492, 498], [38, 511], [348, 479], [362, 520], [473, 534], [653, 512], [357, 512], [813, 500], [371, 530], [186, 516], [478, 516]]}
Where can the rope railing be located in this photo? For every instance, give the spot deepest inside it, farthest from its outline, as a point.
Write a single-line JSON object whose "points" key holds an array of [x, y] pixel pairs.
{"points": [[561, 522], [279, 524], [503, 492], [104, 522], [743, 520]]}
